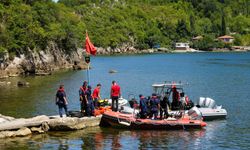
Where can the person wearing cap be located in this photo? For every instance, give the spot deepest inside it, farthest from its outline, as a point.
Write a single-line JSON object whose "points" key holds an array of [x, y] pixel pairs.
{"points": [[83, 97], [61, 100], [143, 106], [96, 95], [89, 104], [115, 93], [155, 106]]}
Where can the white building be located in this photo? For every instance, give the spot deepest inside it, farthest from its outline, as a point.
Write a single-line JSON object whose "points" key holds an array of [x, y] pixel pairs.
{"points": [[182, 46]]}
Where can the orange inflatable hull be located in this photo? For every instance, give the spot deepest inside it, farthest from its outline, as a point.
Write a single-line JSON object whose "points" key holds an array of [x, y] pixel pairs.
{"points": [[101, 110], [120, 120]]}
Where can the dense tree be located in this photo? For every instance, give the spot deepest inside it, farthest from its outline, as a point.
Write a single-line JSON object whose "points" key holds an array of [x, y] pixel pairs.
{"points": [[32, 24]]}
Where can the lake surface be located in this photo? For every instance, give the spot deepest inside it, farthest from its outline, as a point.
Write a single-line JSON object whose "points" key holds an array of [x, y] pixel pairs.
{"points": [[224, 77]]}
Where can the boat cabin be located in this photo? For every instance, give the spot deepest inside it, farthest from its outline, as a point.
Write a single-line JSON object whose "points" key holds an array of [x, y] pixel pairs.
{"points": [[174, 94]]}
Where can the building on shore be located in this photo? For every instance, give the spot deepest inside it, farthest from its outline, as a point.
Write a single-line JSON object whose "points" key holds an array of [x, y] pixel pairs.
{"points": [[226, 39], [182, 47]]}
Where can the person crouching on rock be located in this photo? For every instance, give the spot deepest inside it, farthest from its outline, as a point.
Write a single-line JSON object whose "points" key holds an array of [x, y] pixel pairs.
{"points": [[61, 101], [115, 93], [90, 106]]}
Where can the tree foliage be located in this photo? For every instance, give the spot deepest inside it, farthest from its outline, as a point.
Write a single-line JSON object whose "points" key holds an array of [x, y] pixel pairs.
{"points": [[32, 24]]}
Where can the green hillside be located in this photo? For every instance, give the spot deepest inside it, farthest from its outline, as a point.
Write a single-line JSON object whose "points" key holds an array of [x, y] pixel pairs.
{"points": [[32, 24]]}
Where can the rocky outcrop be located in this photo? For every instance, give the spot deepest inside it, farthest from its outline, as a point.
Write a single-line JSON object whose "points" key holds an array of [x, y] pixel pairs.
{"points": [[11, 127], [39, 62], [44, 62]]}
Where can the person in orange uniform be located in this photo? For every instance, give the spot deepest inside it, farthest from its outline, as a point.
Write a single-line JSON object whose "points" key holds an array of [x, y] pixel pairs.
{"points": [[115, 93], [96, 95]]}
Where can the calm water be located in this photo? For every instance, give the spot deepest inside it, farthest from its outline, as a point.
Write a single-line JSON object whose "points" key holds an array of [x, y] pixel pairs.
{"points": [[224, 77]]}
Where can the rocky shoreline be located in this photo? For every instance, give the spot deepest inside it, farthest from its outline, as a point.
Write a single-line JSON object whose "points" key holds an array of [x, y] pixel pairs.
{"points": [[45, 62], [20, 127], [41, 63], [51, 59]]}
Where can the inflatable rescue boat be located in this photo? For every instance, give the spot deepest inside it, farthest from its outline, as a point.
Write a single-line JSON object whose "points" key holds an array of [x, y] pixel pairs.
{"points": [[128, 121]]}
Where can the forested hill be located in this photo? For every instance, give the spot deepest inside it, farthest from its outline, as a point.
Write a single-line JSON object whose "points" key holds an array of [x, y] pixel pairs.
{"points": [[32, 24]]}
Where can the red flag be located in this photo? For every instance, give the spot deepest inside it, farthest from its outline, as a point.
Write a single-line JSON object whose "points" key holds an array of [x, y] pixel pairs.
{"points": [[90, 48]]}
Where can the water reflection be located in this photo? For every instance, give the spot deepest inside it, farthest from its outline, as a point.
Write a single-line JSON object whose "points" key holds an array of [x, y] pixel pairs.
{"points": [[104, 138]]}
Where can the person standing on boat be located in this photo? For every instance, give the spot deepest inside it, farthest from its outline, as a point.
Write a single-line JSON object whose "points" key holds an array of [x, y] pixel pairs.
{"points": [[61, 101], [89, 104], [83, 97], [96, 95], [164, 103], [115, 93], [143, 106], [176, 99], [155, 106]]}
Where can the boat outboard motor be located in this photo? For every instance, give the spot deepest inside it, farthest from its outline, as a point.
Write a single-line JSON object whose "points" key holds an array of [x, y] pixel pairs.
{"points": [[195, 113], [210, 103], [201, 101]]}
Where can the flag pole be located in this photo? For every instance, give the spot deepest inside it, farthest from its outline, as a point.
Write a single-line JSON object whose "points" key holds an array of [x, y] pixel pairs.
{"points": [[87, 62], [88, 74], [90, 50]]}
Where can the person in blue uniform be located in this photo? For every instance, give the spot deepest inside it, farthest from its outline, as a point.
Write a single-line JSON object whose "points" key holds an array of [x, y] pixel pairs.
{"points": [[61, 101], [143, 106], [90, 105], [83, 97], [155, 106], [165, 104]]}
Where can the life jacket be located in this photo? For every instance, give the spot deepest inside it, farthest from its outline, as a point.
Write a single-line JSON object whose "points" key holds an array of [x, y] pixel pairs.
{"points": [[154, 103], [60, 95], [143, 104], [83, 90], [89, 96]]}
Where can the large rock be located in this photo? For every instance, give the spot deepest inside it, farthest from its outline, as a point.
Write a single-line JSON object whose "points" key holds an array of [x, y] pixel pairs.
{"points": [[6, 134], [5, 118], [80, 65], [23, 132], [19, 123], [66, 124], [36, 130], [45, 126], [92, 121]]}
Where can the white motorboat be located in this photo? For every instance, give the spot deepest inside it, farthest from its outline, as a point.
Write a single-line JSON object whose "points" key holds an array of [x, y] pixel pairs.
{"points": [[205, 107], [209, 110]]}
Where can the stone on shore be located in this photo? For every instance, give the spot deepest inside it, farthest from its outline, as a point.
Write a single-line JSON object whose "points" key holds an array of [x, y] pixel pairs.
{"points": [[23, 132], [73, 123], [6, 134], [19, 123], [59, 124], [11, 127], [36, 130]]}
